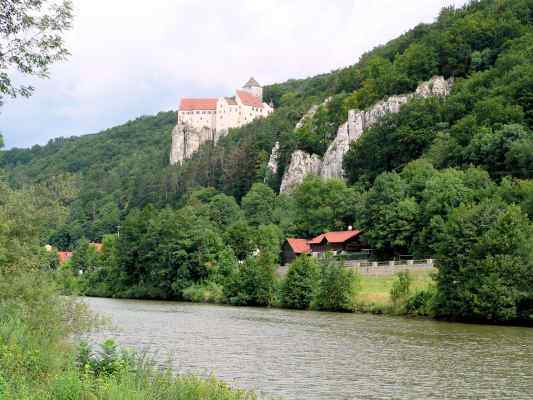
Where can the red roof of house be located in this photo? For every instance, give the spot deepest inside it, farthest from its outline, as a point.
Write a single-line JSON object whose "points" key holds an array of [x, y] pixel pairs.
{"points": [[335, 237], [299, 246], [249, 99], [64, 256], [188, 104]]}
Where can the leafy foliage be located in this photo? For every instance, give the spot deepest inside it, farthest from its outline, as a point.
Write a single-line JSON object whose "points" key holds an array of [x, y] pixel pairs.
{"points": [[442, 178], [485, 268], [338, 287], [301, 284], [31, 38]]}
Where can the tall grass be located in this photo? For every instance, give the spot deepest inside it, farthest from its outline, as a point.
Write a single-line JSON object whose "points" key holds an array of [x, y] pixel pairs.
{"points": [[39, 361]]}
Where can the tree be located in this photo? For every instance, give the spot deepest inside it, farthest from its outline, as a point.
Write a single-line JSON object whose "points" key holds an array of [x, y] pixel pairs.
{"points": [[240, 237], [255, 282], [84, 258], [419, 62], [324, 205], [258, 204], [31, 38], [391, 217], [268, 239], [223, 210], [338, 287], [301, 284], [485, 264]]}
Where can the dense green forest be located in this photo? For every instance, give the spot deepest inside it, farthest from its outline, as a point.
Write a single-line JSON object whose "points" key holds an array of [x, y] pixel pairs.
{"points": [[39, 328], [449, 178]]}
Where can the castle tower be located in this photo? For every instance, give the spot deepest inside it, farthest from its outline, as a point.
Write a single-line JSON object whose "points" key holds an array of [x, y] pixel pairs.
{"points": [[254, 88]]}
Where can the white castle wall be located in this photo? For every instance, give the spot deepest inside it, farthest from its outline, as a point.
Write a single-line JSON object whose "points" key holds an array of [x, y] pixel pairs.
{"points": [[195, 127]]}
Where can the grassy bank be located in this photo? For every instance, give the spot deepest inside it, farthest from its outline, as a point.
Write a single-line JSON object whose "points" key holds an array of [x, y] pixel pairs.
{"points": [[375, 292], [39, 360]]}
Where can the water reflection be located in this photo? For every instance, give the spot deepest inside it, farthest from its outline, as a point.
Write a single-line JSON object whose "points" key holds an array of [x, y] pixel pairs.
{"points": [[311, 355]]}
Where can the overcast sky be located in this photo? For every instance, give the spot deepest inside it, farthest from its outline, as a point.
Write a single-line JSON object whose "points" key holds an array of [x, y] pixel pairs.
{"points": [[133, 57]]}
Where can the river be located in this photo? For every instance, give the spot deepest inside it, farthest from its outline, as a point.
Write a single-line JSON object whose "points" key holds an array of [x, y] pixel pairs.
{"points": [[315, 355]]}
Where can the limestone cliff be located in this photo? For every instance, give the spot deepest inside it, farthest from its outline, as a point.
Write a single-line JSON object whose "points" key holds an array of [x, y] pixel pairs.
{"points": [[331, 164], [186, 140], [273, 160], [301, 165]]}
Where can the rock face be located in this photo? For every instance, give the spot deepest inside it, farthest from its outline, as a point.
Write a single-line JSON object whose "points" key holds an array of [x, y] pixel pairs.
{"points": [[186, 140], [351, 130], [273, 160], [301, 165]]}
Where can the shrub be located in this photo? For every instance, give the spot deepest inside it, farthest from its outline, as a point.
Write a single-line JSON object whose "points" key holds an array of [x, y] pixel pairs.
{"points": [[255, 282], [107, 361], [301, 284], [206, 292], [485, 259], [338, 287], [421, 303], [401, 288]]}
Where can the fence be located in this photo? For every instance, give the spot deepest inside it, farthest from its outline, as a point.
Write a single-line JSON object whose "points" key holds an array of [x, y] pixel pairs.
{"points": [[380, 268], [390, 267]]}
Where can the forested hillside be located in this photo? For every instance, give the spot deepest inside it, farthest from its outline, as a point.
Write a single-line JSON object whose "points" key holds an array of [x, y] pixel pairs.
{"points": [[449, 178]]}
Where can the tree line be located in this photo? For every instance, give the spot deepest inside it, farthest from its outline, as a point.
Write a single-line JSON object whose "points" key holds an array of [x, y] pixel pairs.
{"points": [[445, 177]]}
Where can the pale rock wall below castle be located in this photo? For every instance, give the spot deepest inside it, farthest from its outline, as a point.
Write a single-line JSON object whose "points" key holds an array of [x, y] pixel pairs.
{"points": [[330, 166]]}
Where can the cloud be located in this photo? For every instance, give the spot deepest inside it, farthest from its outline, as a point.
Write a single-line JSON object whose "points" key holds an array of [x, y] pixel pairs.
{"points": [[132, 58]]}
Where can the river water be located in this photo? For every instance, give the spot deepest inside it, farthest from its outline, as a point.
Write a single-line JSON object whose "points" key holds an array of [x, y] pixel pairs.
{"points": [[313, 355]]}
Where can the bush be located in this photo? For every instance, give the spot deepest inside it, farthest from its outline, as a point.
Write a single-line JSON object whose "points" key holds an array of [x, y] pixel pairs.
{"points": [[206, 292], [338, 287], [301, 284], [421, 303], [254, 284], [485, 260], [401, 288]]}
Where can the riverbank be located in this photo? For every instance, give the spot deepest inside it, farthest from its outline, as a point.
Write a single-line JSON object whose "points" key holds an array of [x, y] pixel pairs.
{"points": [[324, 355], [373, 294], [46, 364]]}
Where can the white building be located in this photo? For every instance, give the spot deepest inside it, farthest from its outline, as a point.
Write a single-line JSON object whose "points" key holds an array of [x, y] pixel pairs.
{"points": [[207, 119], [225, 112]]}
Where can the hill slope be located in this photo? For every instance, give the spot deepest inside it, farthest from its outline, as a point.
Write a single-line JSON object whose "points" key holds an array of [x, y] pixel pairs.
{"points": [[485, 46]]}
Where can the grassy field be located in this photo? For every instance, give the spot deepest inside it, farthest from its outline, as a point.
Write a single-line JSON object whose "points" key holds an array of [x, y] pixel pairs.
{"points": [[375, 290]]}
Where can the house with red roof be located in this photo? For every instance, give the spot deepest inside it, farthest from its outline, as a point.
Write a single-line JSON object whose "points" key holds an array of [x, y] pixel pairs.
{"points": [[336, 242]]}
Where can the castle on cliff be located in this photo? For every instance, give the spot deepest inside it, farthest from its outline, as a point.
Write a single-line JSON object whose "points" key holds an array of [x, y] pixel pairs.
{"points": [[207, 119]]}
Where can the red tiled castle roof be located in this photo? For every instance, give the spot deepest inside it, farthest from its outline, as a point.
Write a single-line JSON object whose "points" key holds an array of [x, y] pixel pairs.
{"points": [[249, 99], [188, 104]]}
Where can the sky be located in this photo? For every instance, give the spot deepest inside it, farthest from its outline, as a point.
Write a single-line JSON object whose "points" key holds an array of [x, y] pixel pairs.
{"points": [[132, 57]]}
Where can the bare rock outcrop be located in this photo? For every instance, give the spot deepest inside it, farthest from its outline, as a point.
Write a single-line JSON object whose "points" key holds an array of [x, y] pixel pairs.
{"points": [[331, 164], [301, 164], [273, 160], [186, 140]]}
